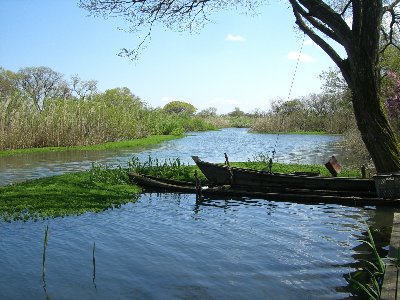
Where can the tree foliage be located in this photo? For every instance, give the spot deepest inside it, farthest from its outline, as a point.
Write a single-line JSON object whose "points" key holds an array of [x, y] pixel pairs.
{"points": [[237, 112], [208, 112], [40, 83], [83, 88], [179, 108]]}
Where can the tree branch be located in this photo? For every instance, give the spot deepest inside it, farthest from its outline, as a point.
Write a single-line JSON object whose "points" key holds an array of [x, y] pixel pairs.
{"points": [[318, 25], [321, 11], [389, 33], [345, 8], [314, 36]]}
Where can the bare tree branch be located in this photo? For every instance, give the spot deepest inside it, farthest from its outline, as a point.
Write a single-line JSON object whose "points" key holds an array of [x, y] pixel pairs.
{"points": [[346, 7]]}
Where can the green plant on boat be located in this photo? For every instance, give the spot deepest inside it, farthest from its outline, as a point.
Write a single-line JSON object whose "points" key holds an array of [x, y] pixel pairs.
{"points": [[168, 168], [105, 174], [368, 281], [260, 161]]}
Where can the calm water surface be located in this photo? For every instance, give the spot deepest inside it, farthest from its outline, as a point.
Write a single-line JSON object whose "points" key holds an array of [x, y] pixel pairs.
{"points": [[238, 143], [167, 246]]}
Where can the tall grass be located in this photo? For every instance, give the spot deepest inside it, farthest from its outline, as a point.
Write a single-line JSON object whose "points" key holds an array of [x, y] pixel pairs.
{"points": [[111, 116], [301, 121]]}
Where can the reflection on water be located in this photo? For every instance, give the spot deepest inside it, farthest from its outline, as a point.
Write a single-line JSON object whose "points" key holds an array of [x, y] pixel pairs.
{"points": [[168, 246], [238, 143]]}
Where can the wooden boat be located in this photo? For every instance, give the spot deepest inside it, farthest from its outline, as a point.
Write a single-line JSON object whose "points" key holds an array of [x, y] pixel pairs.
{"points": [[151, 183], [222, 174]]}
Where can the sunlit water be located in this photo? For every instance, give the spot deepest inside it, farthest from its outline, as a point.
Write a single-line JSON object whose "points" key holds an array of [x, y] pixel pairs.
{"points": [[167, 246], [237, 143]]}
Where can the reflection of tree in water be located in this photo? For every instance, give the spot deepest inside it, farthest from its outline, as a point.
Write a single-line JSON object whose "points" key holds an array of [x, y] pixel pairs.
{"points": [[380, 224]]}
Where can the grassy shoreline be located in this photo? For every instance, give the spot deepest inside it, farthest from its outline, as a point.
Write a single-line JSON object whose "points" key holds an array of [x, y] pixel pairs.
{"points": [[137, 143], [102, 188]]}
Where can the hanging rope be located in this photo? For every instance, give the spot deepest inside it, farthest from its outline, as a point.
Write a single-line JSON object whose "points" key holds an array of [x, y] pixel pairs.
{"points": [[291, 88]]}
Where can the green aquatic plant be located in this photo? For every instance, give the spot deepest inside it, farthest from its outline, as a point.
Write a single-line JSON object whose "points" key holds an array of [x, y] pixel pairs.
{"points": [[105, 174], [63, 195], [94, 262], [368, 281], [260, 162], [168, 168], [46, 237]]}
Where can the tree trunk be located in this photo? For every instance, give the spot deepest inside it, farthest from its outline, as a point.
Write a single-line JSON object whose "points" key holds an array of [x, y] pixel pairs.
{"points": [[362, 73], [372, 123]]}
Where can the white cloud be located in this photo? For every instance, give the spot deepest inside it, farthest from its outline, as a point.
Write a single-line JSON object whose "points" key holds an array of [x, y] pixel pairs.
{"points": [[166, 99], [235, 38], [296, 55]]}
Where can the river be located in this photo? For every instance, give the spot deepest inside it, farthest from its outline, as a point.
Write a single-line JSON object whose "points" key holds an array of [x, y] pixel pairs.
{"points": [[211, 146], [168, 246]]}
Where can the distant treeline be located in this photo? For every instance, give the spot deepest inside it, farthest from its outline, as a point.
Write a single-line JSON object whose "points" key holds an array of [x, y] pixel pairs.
{"points": [[38, 108], [325, 112], [330, 113]]}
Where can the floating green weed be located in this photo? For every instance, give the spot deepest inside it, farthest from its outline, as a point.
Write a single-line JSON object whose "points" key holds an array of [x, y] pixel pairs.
{"points": [[69, 194]]}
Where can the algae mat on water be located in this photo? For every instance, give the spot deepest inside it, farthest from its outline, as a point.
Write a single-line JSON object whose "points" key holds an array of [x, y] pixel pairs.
{"points": [[69, 194]]}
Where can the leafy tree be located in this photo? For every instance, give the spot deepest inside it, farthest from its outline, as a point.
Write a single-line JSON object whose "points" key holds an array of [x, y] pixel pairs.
{"points": [[237, 113], [7, 83], [180, 108], [289, 107], [208, 112], [40, 83], [83, 88], [325, 22]]}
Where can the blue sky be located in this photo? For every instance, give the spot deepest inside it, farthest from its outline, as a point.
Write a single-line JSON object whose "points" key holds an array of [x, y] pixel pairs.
{"points": [[237, 60]]}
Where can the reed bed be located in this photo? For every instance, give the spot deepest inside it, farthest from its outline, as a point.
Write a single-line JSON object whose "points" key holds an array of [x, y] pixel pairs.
{"points": [[106, 117], [302, 121]]}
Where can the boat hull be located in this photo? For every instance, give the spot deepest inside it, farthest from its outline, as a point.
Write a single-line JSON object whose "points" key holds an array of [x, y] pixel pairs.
{"points": [[299, 196], [223, 174]]}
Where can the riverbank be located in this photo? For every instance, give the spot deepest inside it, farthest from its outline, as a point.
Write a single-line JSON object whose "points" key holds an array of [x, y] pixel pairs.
{"points": [[137, 143]]}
